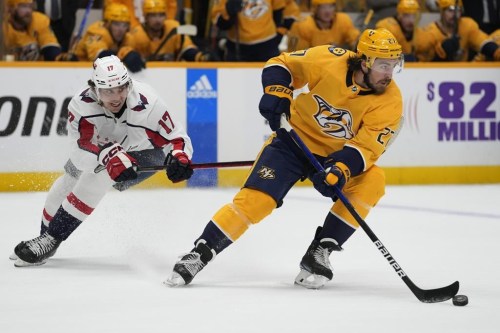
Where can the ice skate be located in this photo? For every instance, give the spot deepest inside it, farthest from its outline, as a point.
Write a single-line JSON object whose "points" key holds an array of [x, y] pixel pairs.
{"points": [[35, 252], [189, 265], [315, 267]]}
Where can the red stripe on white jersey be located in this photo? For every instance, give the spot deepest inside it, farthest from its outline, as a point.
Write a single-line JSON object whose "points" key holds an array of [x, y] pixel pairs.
{"points": [[86, 130]]}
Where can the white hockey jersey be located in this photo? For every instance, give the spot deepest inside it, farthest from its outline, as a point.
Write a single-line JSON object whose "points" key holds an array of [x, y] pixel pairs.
{"points": [[146, 123]]}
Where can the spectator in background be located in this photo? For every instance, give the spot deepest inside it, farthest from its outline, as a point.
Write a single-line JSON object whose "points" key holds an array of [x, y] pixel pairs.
{"points": [[451, 37], [27, 33], [62, 16], [380, 10], [486, 13], [111, 37], [156, 27], [251, 28], [404, 26], [135, 9], [324, 26]]}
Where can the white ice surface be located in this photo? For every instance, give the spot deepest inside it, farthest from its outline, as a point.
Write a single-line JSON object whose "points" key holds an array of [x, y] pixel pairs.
{"points": [[107, 276]]}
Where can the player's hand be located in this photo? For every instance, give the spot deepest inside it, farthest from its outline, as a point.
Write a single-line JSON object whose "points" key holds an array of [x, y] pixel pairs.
{"points": [[208, 56], [335, 175], [178, 167], [275, 101], [451, 46], [233, 7], [66, 56], [496, 55], [120, 165], [134, 62]]}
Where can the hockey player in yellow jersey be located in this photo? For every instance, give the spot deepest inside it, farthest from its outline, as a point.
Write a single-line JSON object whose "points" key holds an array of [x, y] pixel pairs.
{"points": [[27, 33], [251, 27], [451, 37], [169, 5], [404, 26], [495, 37], [347, 113], [111, 37], [324, 26], [156, 27]]}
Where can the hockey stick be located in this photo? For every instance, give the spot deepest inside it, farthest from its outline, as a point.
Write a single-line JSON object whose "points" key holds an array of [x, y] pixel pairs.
{"points": [[424, 295], [78, 36], [210, 165], [187, 29]]}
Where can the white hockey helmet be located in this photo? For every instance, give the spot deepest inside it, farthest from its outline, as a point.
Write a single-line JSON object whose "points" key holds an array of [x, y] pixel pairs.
{"points": [[110, 72]]}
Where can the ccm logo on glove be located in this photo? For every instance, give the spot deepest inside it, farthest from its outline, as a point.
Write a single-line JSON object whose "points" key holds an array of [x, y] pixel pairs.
{"points": [[120, 165]]}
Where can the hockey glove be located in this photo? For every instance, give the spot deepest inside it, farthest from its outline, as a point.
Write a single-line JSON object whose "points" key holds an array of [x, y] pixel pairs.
{"points": [[275, 101], [337, 174], [134, 62], [120, 165], [450, 47], [233, 7], [178, 167]]}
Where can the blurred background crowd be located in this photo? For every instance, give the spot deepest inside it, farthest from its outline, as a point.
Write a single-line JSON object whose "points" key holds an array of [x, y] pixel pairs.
{"points": [[139, 31]]}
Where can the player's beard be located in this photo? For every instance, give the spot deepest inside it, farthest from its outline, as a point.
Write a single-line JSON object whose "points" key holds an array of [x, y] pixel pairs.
{"points": [[23, 21], [380, 87]]}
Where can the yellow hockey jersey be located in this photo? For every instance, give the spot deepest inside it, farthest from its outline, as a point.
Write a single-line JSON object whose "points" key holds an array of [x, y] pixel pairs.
{"points": [[255, 22], [495, 37], [429, 42], [333, 111], [306, 33], [391, 24], [173, 48], [26, 44], [97, 38]]}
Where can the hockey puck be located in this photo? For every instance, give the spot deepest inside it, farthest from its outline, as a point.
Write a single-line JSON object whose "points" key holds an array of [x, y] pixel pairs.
{"points": [[460, 300]]}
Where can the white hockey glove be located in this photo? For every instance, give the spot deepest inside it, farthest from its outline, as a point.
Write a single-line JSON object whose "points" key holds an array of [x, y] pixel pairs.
{"points": [[120, 165]]}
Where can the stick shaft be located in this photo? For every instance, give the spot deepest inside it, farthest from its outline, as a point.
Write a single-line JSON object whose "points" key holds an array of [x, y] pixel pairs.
{"points": [[426, 296], [210, 165]]}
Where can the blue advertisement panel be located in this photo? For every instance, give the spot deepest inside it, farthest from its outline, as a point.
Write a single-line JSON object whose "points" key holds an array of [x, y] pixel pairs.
{"points": [[202, 122]]}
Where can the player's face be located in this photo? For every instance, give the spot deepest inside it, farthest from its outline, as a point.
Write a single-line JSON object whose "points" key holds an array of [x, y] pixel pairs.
{"points": [[448, 16], [118, 30], [325, 12], [380, 74], [23, 13], [113, 98], [155, 21], [407, 21]]}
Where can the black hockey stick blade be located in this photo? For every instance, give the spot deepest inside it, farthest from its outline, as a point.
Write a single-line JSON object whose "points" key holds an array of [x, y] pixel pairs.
{"points": [[433, 295]]}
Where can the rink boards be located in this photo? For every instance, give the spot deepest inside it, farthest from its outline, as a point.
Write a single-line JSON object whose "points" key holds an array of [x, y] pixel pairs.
{"points": [[451, 130]]}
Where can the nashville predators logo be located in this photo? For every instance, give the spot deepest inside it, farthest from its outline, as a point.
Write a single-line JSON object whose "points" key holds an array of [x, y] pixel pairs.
{"points": [[335, 122], [253, 9], [266, 173]]}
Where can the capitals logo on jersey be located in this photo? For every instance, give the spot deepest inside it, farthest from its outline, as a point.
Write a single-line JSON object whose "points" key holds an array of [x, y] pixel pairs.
{"points": [[335, 122], [142, 103]]}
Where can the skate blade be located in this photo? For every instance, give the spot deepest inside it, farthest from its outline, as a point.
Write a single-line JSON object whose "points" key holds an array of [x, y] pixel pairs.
{"points": [[22, 263], [174, 280], [13, 256], [309, 280]]}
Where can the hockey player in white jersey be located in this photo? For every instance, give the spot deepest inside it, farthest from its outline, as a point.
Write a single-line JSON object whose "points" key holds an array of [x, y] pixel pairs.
{"points": [[115, 124]]}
